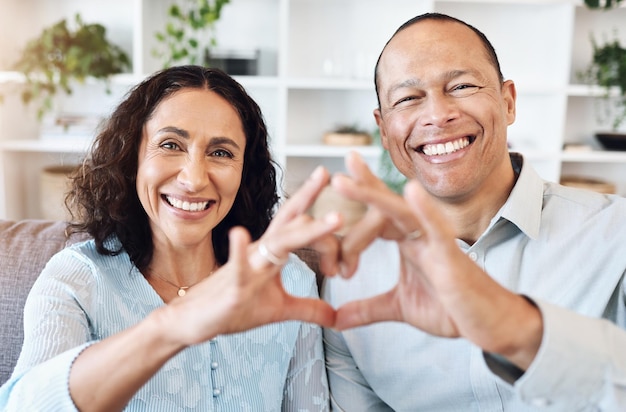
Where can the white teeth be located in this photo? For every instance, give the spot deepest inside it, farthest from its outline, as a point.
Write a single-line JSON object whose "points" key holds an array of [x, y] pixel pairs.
{"points": [[443, 149], [187, 206]]}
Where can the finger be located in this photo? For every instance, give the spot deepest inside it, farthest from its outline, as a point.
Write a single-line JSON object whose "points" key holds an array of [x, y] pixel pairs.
{"points": [[393, 207], [360, 171], [304, 198], [299, 232], [329, 250], [362, 185], [362, 191], [357, 239], [312, 310], [366, 311], [257, 257], [239, 240], [396, 217], [430, 219]]}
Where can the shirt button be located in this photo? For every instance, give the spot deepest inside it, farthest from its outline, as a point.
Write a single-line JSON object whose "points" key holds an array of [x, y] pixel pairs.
{"points": [[473, 256], [217, 392], [214, 365]]}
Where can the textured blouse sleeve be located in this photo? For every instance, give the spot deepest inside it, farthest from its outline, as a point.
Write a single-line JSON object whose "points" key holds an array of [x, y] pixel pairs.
{"points": [[306, 387], [55, 332]]}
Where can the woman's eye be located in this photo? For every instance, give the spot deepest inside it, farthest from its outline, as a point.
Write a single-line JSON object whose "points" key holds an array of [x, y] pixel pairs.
{"points": [[170, 146], [222, 153]]}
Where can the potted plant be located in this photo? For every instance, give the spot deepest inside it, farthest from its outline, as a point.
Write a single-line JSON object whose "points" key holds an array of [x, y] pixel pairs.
{"points": [[61, 55], [189, 31], [347, 135], [608, 70], [602, 4]]}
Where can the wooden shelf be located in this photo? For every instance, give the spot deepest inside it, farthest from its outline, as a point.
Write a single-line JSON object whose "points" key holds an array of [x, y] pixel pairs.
{"points": [[61, 145]]}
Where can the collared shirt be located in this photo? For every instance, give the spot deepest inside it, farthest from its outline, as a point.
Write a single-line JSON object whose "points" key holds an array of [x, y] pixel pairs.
{"points": [[82, 297], [561, 247]]}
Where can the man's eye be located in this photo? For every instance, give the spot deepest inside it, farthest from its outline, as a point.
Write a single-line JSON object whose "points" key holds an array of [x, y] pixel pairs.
{"points": [[405, 100], [463, 90]]}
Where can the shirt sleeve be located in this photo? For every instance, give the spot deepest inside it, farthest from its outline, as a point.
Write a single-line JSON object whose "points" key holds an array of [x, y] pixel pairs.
{"points": [[55, 332], [306, 386], [44, 387], [349, 388], [581, 363]]}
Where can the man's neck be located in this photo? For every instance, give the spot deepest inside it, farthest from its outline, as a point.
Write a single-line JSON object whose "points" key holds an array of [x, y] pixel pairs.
{"points": [[470, 217]]}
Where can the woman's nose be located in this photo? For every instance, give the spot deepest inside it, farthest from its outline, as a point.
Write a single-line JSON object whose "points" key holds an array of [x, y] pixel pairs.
{"points": [[194, 175]]}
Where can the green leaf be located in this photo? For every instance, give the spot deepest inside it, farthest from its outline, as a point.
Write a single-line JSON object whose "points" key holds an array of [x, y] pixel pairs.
{"points": [[60, 55]]}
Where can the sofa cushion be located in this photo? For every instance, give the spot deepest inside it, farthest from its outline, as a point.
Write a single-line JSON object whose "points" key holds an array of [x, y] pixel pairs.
{"points": [[25, 247]]}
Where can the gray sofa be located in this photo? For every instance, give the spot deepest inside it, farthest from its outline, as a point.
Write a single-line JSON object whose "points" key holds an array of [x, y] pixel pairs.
{"points": [[25, 247]]}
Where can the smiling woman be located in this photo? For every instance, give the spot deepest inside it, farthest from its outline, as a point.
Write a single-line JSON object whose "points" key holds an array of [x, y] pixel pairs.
{"points": [[183, 268], [190, 166]]}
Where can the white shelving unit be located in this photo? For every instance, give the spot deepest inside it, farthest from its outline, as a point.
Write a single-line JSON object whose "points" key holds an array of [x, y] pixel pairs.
{"points": [[323, 54]]}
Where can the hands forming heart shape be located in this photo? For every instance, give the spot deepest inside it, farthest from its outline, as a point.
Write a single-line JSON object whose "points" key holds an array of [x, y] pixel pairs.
{"points": [[440, 290]]}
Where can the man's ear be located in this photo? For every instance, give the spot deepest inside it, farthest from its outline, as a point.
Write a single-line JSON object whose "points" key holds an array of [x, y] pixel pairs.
{"points": [[509, 94], [381, 127]]}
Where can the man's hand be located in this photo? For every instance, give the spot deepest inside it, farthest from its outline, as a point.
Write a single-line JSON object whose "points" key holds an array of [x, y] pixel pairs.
{"points": [[440, 290]]}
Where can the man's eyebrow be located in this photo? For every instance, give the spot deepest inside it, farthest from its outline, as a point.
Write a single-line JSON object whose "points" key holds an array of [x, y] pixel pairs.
{"points": [[413, 82], [416, 83]]}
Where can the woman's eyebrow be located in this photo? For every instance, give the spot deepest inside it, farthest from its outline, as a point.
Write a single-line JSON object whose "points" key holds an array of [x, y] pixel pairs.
{"points": [[185, 134], [171, 129], [224, 141]]}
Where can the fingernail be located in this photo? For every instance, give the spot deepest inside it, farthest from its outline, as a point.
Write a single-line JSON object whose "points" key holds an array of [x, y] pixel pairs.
{"points": [[343, 270], [332, 218], [317, 173]]}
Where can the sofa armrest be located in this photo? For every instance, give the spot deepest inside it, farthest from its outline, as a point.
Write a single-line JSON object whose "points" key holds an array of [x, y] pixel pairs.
{"points": [[25, 248]]}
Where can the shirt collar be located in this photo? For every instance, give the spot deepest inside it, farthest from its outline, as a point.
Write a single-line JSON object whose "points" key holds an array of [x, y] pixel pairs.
{"points": [[523, 207]]}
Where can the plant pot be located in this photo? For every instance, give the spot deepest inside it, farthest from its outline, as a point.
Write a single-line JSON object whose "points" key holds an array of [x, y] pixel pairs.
{"points": [[331, 201], [612, 140], [347, 139], [53, 186], [589, 183]]}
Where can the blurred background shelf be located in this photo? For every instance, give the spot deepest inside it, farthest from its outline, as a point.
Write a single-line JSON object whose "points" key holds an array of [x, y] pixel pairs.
{"points": [[322, 78]]}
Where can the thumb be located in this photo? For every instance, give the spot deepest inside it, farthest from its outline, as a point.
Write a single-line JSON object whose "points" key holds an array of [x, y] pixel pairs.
{"points": [[312, 310], [365, 311]]}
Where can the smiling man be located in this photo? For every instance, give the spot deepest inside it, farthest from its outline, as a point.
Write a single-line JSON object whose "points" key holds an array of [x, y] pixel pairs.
{"points": [[491, 289]]}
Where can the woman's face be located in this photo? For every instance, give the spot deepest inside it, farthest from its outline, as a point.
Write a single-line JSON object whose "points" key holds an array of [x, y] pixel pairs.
{"points": [[190, 166]]}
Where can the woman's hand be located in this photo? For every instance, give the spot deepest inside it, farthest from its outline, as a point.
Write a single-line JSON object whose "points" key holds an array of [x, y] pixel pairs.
{"points": [[247, 291], [293, 228]]}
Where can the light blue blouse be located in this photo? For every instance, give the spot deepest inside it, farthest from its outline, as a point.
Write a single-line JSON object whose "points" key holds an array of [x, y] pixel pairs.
{"points": [[562, 247], [82, 297]]}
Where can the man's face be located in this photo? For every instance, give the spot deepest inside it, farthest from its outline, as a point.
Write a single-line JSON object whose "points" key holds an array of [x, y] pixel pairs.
{"points": [[443, 110]]}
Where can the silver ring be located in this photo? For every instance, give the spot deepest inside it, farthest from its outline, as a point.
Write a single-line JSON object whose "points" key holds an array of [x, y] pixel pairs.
{"points": [[414, 235], [270, 257]]}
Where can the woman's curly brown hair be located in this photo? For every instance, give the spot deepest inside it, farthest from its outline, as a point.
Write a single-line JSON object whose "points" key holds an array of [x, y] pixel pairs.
{"points": [[103, 196]]}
